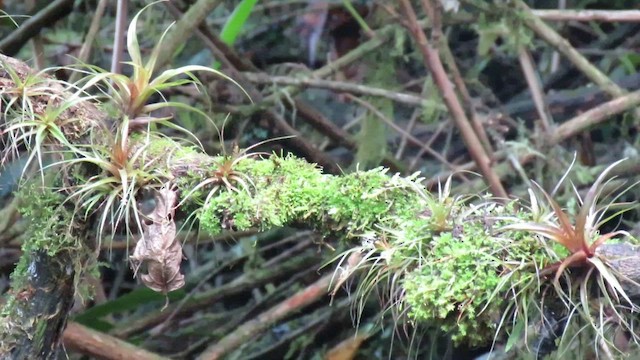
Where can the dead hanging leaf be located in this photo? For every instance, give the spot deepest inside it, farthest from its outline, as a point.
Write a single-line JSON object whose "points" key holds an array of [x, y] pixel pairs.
{"points": [[158, 247]]}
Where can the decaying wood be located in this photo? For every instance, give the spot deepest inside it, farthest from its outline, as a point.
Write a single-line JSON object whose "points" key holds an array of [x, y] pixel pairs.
{"points": [[102, 346]]}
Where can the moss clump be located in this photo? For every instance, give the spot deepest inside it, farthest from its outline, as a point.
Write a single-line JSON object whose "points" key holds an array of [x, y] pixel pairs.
{"points": [[453, 265], [287, 190], [49, 229], [463, 276]]}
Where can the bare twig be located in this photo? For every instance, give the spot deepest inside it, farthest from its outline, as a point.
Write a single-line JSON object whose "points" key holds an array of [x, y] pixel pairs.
{"points": [[397, 128], [589, 15], [248, 330], [417, 113], [99, 345], [87, 45], [341, 86], [595, 116], [451, 64], [535, 87], [432, 61]]}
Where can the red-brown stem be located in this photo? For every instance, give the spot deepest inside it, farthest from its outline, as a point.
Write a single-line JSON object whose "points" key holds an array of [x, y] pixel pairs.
{"points": [[433, 63]]}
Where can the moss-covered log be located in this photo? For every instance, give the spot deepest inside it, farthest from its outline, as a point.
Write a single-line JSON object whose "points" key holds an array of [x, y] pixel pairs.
{"points": [[45, 280], [447, 261]]}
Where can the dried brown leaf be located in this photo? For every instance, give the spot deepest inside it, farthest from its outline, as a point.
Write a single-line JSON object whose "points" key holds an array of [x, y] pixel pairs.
{"points": [[159, 248]]}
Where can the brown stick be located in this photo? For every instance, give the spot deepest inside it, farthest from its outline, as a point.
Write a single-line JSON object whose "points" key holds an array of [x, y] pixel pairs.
{"points": [[589, 15], [339, 86], [433, 63], [530, 74], [99, 345], [89, 41], [564, 47], [461, 87], [595, 116], [56, 10], [250, 329]]}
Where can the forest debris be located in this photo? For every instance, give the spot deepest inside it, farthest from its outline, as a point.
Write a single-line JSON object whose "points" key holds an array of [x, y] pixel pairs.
{"points": [[348, 348], [87, 341], [159, 247]]}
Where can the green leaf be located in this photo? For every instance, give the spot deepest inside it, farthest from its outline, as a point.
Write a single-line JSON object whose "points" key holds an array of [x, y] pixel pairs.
{"points": [[131, 301], [236, 21], [516, 334]]}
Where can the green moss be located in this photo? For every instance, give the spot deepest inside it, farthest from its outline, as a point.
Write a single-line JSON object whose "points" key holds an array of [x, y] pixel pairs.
{"points": [[454, 266], [48, 231], [463, 274], [49, 221], [287, 190]]}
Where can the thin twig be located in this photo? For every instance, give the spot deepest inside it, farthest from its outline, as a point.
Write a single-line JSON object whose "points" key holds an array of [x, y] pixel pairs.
{"points": [[99, 345], [381, 37], [450, 61], [397, 128], [533, 81], [248, 330], [433, 63], [89, 41], [595, 116], [589, 15], [341, 86], [417, 113]]}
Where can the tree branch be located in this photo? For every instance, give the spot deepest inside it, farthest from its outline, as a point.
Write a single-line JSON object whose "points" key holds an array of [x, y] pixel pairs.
{"points": [[433, 63]]}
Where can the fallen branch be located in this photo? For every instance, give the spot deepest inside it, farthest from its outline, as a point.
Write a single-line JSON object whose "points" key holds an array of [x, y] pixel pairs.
{"points": [[433, 63], [248, 330], [388, 215], [99, 345], [589, 15]]}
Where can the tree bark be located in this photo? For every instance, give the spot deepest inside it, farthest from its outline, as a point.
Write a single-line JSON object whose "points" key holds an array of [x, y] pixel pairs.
{"points": [[39, 308]]}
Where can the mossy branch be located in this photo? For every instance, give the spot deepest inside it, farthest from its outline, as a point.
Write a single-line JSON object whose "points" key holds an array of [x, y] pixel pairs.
{"points": [[455, 267]]}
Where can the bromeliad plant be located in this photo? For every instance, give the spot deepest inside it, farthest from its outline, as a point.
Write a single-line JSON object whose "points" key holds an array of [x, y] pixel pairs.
{"points": [[606, 308], [125, 165], [582, 238], [131, 95], [28, 127], [224, 172]]}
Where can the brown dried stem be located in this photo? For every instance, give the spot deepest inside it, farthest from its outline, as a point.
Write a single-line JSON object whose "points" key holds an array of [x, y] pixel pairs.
{"points": [[433, 63], [248, 330], [533, 81], [97, 345], [461, 87], [589, 15]]}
